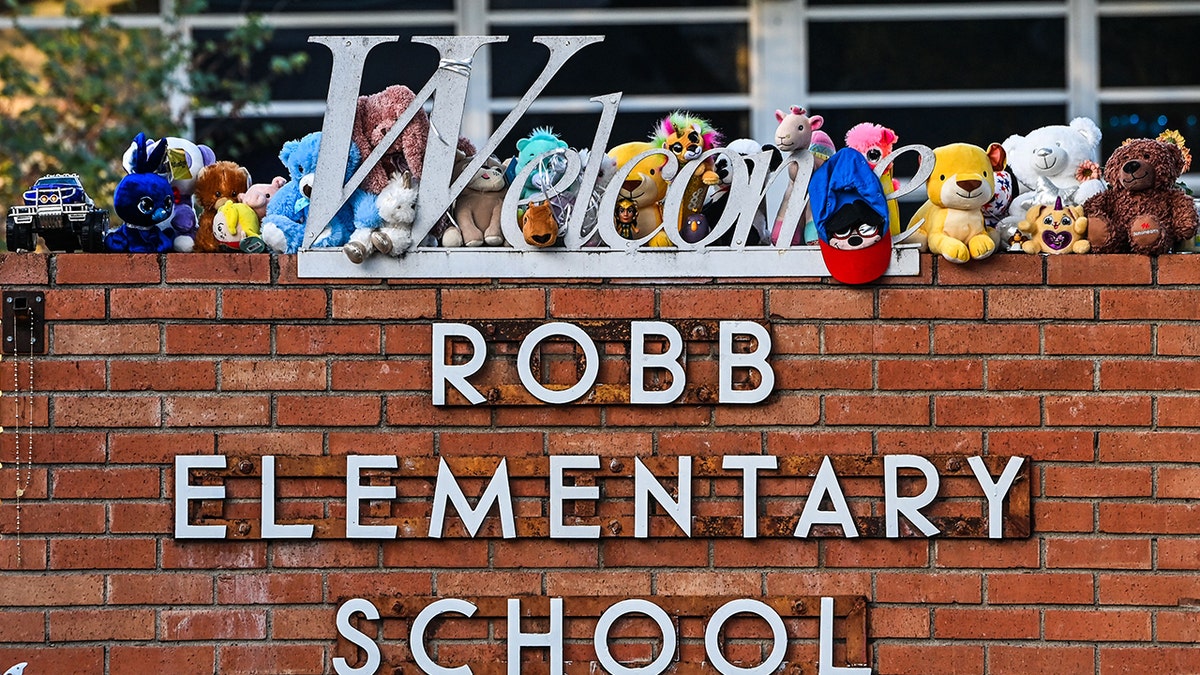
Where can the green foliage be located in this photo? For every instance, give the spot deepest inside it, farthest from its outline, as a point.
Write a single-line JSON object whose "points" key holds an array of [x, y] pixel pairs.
{"points": [[72, 99]]}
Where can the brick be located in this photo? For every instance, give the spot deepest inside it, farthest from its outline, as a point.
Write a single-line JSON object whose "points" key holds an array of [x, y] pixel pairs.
{"points": [[1160, 518], [1177, 411], [273, 375], [299, 624], [74, 375], [1098, 553], [91, 340], [218, 339], [791, 442], [162, 375], [94, 625], [218, 268], [619, 416], [298, 659], [798, 340], [1099, 339], [214, 555], [1155, 659], [1178, 269], [1147, 303], [490, 444], [853, 338], [903, 659], [28, 554], [548, 554], [285, 443], [698, 302], [39, 590], [821, 373], [1030, 588], [742, 584], [330, 554], [444, 553], [619, 582], [1178, 340], [987, 411], [1095, 481], [82, 411], [930, 375], [616, 303], [1161, 446], [1050, 516], [968, 623], [1040, 374], [1122, 411], [898, 622], [385, 304], [625, 552], [26, 413], [408, 339], [227, 411], [1178, 483], [58, 658], [822, 303], [241, 304], [162, 303], [1089, 625], [780, 409], [108, 269], [509, 303], [1040, 303], [1040, 659], [887, 553], [1143, 375], [883, 409], [758, 553], [1177, 626], [25, 269], [157, 447], [999, 270], [929, 442], [164, 659], [107, 483], [75, 304], [332, 411], [91, 554], [418, 410], [225, 623], [58, 447], [930, 303], [133, 518], [388, 375], [1099, 270], [333, 339], [679, 442], [988, 553], [820, 582], [22, 626], [56, 517], [983, 338], [929, 587]]}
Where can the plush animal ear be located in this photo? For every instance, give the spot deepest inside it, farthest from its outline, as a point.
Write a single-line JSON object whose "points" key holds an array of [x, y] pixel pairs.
{"points": [[207, 156], [996, 154], [155, 157], [779, 115], [816, 121], [139, 152], [278, 182], [1087, 128], [521, 144], [889, 136], [289, 148], [246, 173]]}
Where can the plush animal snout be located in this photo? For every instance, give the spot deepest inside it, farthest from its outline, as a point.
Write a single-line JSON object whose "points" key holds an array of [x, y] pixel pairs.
{"points": [[969, 185], [1046, 160], [306, 185], [1132, 167], [630, 185]]}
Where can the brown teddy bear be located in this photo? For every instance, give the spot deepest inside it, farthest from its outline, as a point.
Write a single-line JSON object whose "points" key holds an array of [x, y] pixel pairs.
{"points": [[1143, 211], [216, 183]]}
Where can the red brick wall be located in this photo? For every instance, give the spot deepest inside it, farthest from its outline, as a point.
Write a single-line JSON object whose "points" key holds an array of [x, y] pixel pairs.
{"points": [[1085, 364]]}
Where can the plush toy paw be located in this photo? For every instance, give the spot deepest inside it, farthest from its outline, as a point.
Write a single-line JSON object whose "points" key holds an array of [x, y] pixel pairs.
{"points": [[274, 237], [393, 241], [954, 250], [452, 238], [184, 244], [981, 246], [1099, 231], [359, 247]]}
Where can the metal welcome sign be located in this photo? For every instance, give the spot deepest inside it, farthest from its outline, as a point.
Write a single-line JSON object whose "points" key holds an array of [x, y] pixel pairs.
{"points": [[598, 252]]}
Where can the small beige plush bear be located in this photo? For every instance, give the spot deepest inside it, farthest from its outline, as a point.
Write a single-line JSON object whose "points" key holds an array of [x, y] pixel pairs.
{"points": [[1055, 230]]}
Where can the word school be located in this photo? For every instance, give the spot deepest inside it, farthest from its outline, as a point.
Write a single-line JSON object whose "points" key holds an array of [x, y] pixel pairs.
{"points": [[498, 496]]}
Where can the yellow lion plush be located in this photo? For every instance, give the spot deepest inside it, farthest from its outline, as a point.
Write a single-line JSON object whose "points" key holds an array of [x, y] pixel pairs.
{"points": [[1055, 229], [951, 222], [645, 187]]}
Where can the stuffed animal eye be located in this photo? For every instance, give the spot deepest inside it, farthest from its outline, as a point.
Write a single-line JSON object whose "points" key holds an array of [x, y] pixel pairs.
{"points": [[694, 137], [167, 201], [145, 205], [651, 172], [874, 154], [866, 230], [676, 147], [1047, 220], [218, 194], [1066, 220], [942, 177]]}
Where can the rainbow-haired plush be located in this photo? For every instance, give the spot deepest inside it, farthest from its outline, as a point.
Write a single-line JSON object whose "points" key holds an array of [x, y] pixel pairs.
{"points": [[687, 137]]}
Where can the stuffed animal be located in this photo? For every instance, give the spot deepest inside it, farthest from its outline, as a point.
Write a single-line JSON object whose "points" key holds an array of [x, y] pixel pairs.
{"points": [[714, 207], [397, 206], [645, 187], [795, 132], [538, 225], [687, 137], [1053, 162], [850, 211], [1055, 229], [876, 142], [287, 212], [236, 228], [181, 166], [259, 195], [216, 183], [541, 141], [951, 222], [374, 117], [1143, 211], [145, 201], [477, 209]]}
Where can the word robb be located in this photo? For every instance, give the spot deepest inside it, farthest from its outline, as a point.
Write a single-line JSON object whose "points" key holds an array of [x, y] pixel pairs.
{"points": [[639, 362], [498, 496]]}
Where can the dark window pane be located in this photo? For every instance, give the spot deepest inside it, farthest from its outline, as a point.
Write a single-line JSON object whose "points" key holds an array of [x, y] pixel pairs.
{"points": [[394, 63], [611, 4], [898, 55], [652, 59], [900, 2], [238, 6], [579, 130], [1148, 51], [1148, 120], [254, 143], [136, 7]]}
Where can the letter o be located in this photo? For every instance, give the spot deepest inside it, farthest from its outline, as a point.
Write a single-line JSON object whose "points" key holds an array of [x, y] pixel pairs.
{"points": [[761, 609], [525, 355], [610, 616]]}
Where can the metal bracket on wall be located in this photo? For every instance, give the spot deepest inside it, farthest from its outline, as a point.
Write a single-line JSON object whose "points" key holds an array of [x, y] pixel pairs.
{"points": [[24, 322]]}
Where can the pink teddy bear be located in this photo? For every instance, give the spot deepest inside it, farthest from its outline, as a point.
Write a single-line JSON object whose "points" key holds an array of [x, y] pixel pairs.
{"points": [[260, 193]]}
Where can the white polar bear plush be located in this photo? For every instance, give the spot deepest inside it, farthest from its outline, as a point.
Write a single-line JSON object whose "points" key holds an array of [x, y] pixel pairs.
{"points": [[1046, 160]]}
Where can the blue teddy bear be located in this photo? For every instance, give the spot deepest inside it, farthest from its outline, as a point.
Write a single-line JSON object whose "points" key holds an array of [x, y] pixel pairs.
{"points": [[287, 212]]}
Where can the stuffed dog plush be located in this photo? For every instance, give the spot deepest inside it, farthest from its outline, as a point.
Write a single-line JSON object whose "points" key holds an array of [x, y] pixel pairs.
{"points": [[952, 222]]}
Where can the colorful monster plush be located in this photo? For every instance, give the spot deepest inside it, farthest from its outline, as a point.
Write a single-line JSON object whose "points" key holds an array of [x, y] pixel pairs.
{"points": [[1143, 211], [181, 166], [951, 222], [688, 137], [876, 142], [1055, 229], [144, 200], [236, 228], [794, 134], [218, 182], [287, 212], [645, 187], [542, 140]]}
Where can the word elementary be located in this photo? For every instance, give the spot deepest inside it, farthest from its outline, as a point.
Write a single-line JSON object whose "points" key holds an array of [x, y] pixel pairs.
{"points": [[561, 474]]}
